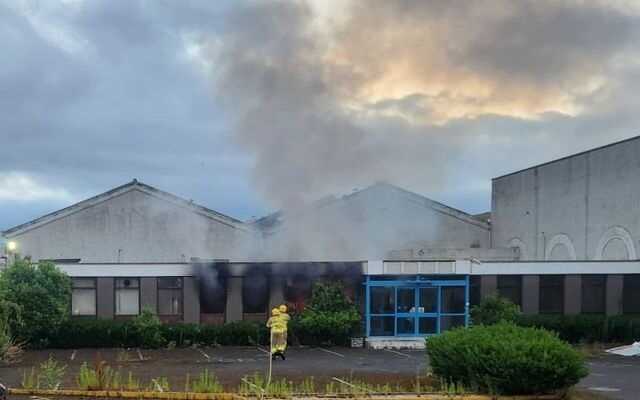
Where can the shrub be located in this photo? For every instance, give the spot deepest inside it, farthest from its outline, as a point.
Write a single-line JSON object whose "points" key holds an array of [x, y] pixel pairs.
{"points": [[330, 318], [42, 294], [181, 334], [147, 328], [505, 359], [494, 309]]}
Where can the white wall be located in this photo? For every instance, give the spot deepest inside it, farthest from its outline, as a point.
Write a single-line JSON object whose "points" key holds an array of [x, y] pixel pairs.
{"points": [[586, 206], [132, 227]]}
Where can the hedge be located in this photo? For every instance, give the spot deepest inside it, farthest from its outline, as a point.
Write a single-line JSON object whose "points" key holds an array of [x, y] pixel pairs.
{"points": [[505, 359], [83, 333], [587, 328]]}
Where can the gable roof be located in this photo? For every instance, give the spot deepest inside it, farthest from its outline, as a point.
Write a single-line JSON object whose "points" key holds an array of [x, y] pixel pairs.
{"points": [[118, 191], [274, 220]]}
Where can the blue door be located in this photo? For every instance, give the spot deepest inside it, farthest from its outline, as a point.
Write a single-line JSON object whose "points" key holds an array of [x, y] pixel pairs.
{"points": [[419, 307]]}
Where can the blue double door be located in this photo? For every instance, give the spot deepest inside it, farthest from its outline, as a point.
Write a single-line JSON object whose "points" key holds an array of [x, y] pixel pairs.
{"points": [[417, 309]]}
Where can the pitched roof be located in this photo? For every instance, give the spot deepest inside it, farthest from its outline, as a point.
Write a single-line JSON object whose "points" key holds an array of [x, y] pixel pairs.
{"points": [[275, 219], [133, 185]]}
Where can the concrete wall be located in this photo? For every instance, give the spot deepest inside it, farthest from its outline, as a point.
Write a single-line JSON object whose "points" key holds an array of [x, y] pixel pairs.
{"points": [[133, 227], [583, 207], [371, 223]]}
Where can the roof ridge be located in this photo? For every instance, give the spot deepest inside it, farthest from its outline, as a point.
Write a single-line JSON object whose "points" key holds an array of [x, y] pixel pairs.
{"points": [[131, 184]]}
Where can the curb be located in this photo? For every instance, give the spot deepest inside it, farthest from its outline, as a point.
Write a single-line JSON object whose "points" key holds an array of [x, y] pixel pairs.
{"points": [[118, 394]]}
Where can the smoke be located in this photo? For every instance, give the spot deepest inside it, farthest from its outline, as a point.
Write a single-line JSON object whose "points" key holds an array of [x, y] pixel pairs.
{"points": [[409, 92], [397, 91]]}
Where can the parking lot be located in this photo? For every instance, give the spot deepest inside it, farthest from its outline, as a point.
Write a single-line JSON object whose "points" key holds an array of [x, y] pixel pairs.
{"points": [[231, 364], [611, 376]]}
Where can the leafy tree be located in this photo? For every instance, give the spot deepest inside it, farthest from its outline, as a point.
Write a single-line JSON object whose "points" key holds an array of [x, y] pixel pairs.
{"points": [[494, 309], [41, 293], [330, 319]]}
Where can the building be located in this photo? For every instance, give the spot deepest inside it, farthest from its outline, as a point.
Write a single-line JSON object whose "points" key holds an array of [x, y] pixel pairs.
{"points": [[582, 207], [561, 238]]}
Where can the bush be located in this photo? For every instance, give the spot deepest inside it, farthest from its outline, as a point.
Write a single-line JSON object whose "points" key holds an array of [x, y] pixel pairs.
{"points": [[505, 359], [42, 294], [330, 319], [147, 329], [494, 309]]}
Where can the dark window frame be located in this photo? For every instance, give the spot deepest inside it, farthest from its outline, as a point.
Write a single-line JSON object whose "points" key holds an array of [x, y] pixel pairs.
{"points": [[115, 293], [173, 289], [504, 283], [630, 290], [546, 283], [95, 296], [588, 290]]}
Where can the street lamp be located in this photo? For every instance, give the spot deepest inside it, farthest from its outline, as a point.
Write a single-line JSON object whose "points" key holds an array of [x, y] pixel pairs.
{"points": [[12, 246]]}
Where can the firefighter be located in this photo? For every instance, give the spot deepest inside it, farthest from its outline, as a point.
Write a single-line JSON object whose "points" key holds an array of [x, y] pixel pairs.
{"points": [[285, 318], [278, 329]]}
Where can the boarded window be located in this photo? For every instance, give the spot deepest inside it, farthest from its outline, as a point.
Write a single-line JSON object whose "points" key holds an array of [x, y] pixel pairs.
{"points": [[551, 294], [630, 297], [474, 290], [255, 292], [170, 296], [127, 296], [83, 296], [510, 288], [594, 289]]}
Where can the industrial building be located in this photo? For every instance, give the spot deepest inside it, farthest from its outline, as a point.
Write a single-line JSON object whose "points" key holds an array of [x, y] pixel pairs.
{"points": [[561, 238]]}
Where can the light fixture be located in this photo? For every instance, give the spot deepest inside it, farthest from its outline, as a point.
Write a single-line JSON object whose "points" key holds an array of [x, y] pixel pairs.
{"points": [[12, 246]]}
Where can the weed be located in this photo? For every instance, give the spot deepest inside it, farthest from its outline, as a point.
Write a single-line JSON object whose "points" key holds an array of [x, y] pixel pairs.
{"points": [[205, 382], [31, 380], [133, 384], [159, 384], [51, 374]]}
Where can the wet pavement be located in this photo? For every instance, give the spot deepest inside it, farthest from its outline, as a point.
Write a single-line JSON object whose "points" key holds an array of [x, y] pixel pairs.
{"points": [[614, 377]]}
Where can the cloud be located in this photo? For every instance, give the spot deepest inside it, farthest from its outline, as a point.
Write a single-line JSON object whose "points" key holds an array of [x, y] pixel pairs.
{"points": [[425, 94], [20, 187], [249, 105]]}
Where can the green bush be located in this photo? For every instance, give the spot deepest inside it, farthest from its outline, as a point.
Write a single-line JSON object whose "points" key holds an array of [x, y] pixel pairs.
{"points": [[572, 328], [330, 318], [505, 359], [494, 309], [42, 294], [181, 334], [147, 329]]}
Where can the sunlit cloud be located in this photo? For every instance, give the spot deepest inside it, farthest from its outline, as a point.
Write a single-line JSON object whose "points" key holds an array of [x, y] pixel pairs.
{"points": [[20, 187]]}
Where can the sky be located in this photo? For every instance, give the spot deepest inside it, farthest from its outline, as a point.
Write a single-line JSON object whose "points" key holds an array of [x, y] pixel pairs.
{"points": [[252, 106]]}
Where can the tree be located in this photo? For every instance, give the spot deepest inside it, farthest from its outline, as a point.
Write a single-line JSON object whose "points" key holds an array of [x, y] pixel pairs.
{"points": [[494, 309], [42, 295]]}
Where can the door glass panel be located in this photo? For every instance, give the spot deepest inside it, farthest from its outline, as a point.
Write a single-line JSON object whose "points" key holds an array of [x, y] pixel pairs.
{"points": [[451, 321], [406, 325], [428, 300], [428, 325], [406, 300], [453, 299], [382, 326], [382, 300]]}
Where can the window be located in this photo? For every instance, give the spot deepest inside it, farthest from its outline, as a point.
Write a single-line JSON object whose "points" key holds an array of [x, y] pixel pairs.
{"points": [[169, 296], [551, 294], [474, 290], [127, 296], [255, 292], [453, 300], [83, 296], [510, 288], [630, 298], [594, 289]]}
